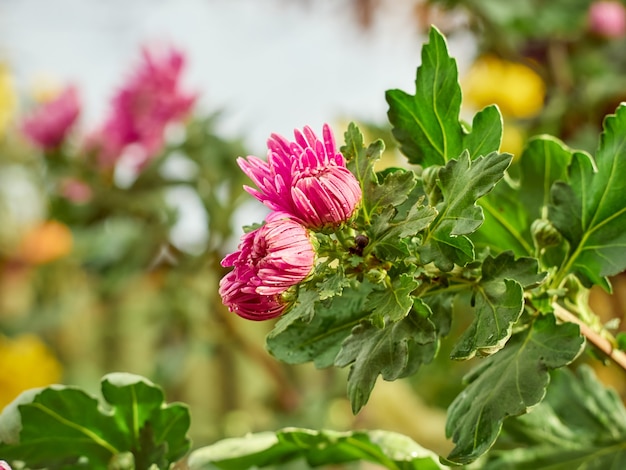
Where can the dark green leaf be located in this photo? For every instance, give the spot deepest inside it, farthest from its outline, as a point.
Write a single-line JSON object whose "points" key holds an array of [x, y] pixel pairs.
{"points": [[580, 424], [591, 211], [496, 303], [386, 231], [332, 285], [495, 306], [462, 183], [392, 190], [446, 251], [319, 339], [395, 351], [302, 310], [392, 302], [505, 266], [507, 384], [385, 448]]}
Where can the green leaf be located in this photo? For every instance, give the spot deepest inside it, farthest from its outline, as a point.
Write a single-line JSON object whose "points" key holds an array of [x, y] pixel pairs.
{"points": [[66, 427], [393, 302], [507, 384], [386, 231], [506, 225], [392, 191], [303, 309], [462, 183], [140, 412], [590, 211], [319, 339], [524, 270], [544, 161], [395, 351], [580, 424], [427, 124], [360, 162], [510, 209], [486, 134], [58, 425], [388, 449], [331, 285], [496, 303]]}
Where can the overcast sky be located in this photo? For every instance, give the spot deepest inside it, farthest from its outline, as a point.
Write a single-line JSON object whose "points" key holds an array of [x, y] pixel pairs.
{"points": [[273, 65]]}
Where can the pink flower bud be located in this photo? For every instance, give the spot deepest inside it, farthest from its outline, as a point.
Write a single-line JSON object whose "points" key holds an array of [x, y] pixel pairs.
{"points": [[607, 19], [48, 126], [269, 260], [306, 180], [4, 465]]}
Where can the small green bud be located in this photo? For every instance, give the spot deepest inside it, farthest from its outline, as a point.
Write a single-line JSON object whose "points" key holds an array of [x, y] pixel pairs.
{"points": [[376, 276], [544, 233]]}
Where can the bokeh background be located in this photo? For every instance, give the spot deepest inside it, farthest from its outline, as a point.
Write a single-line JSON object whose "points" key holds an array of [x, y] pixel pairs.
{"points": [[112, 264]]}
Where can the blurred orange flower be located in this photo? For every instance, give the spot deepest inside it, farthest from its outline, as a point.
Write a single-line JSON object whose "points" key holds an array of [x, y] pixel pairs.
{"points": [[46, 242], [25, 362]]}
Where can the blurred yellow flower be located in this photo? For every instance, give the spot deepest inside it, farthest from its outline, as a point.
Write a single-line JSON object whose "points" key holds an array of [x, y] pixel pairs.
{"points": [[46, 242], [45, 88], [25, 362], [517, 89], [513, 139], [8, 98]]}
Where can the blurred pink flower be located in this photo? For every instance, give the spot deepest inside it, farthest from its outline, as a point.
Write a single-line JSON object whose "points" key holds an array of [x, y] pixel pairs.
{"points": [[269, 260], [4, 465], [50, 123], [306, 180], [607, 19], [143, 108], [76, 191]]}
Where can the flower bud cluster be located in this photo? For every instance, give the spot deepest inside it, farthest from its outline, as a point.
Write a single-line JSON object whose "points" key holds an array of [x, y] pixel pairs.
{"points": [[308, 187]]}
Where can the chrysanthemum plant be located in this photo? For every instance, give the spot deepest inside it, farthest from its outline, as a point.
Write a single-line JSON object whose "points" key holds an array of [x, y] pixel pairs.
{"points": [[468, 237], [372, 269]]}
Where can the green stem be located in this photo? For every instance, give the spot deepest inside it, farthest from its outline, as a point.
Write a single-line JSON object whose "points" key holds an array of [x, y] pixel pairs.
{"points": [[345, 238]]}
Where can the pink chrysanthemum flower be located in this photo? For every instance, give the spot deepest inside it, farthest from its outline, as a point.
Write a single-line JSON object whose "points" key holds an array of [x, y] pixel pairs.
{"points": [[306, 180], [144, 107], [269, 261], [50, 123]]}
